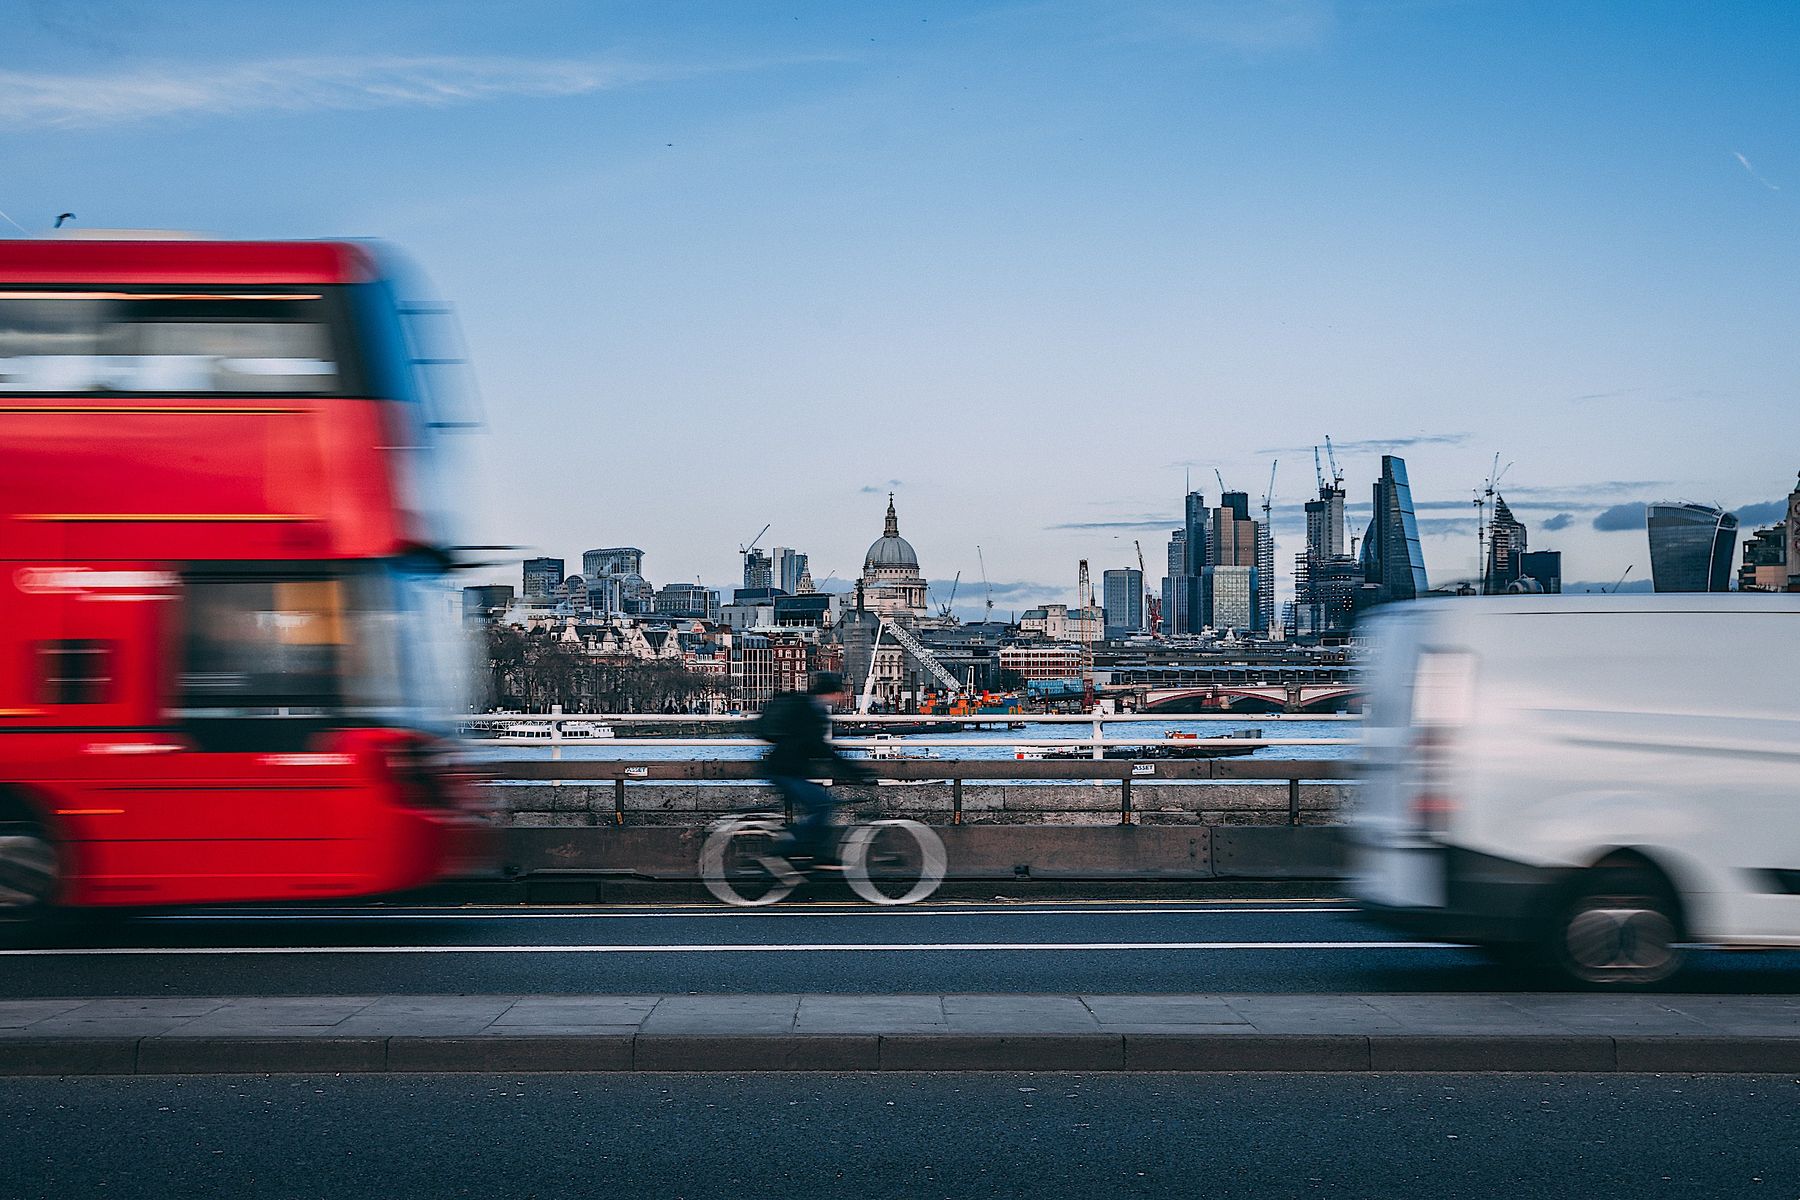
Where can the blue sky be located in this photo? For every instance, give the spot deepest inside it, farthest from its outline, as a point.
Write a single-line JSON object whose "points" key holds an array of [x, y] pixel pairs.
{"points": [[1027, 264]]}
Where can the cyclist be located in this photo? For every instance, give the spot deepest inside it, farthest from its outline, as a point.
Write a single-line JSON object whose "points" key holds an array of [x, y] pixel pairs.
{"points": [[798, 730]]}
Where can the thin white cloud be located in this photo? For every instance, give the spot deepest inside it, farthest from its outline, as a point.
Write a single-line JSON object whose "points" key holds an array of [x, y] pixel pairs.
{"points": [[299, 85], [1745, 163]]}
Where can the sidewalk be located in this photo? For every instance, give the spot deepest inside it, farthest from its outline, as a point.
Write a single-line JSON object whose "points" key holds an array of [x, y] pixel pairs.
{"points": [[1475, 1032]]}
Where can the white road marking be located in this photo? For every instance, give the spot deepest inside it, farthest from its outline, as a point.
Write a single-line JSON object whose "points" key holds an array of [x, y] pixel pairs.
{"points": [[719, 948], [864, 911]]}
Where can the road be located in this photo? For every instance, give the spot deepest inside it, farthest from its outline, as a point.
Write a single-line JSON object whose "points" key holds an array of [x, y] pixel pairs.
{"points": [[1043, 1136], [1050, 947]]}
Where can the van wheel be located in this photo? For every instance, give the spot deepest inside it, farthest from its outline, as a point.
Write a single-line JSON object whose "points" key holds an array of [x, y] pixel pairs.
{"points": [[30, 869], [1618, 928]]}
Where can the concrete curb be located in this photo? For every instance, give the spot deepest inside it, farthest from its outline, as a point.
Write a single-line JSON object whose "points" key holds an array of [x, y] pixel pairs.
{"points": [[604, 1053]]}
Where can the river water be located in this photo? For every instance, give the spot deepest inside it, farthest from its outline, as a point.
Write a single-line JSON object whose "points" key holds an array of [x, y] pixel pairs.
{"points": [[960, 746]]}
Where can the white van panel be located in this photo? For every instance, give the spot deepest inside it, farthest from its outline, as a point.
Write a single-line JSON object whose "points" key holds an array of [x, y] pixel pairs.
{"points": [[1670, 724]]}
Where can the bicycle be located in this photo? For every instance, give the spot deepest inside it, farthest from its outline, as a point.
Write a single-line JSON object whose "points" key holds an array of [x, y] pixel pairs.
{"points": [[887, 862]]}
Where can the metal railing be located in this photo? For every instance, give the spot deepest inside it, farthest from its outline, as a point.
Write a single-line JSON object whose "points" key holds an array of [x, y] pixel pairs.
{"points": [[622, 773]]}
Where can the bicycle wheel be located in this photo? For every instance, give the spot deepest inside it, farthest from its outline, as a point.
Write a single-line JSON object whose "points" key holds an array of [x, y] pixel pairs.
{"points": [[893, 862], [740, 866]]}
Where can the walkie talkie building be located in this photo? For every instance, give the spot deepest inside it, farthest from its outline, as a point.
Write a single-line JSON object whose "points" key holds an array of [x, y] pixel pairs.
{"points": [[1691, 547]]}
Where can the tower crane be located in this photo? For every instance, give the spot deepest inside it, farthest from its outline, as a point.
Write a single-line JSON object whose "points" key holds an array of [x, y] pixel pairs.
{"points": [[1337, 475], [744, 551], [944, 609], [1318, 471], [1221, 479], [988, 614]]}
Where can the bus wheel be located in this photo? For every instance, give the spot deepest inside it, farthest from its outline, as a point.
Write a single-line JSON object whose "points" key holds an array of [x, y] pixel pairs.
{"points": [[28, 872], [1619, 928]]}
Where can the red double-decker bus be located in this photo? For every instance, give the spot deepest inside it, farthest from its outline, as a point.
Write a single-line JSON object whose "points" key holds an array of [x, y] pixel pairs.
{"points": [[224, 623]]}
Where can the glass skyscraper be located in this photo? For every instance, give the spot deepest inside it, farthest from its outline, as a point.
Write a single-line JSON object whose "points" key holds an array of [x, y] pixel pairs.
{"points": [[1392, 559], [1691, 547]]}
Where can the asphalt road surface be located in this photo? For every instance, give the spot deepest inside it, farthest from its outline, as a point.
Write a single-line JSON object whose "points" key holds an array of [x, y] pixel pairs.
{"points": [[916, 1136], [1043, 947]]}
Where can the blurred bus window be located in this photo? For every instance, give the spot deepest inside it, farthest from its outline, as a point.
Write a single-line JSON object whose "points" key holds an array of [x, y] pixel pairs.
{"points": [[87, 342]]}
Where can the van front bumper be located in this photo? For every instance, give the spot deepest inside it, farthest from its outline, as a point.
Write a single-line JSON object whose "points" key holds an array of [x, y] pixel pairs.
{"points": [[1488, 900]]}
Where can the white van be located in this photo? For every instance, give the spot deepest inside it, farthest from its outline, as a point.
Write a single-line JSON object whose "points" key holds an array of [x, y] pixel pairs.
{"points": [[1592, 782]]}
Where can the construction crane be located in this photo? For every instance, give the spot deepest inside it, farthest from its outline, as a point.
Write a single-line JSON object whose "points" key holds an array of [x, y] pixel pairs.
{"points": [[1318, 471], [1084, 596], [1143, 589], [744, 552], [1337, 475], [1621, 580], [1221, 479], [1483, 499], [923, 656], [944, 609], [988, 614]]}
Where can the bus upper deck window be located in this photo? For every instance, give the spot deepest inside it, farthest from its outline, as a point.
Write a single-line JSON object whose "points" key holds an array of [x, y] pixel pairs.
{"points": [[198, 342]]}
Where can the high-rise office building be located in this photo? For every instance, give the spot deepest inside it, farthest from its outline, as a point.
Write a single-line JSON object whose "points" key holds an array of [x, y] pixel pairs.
{"points": [[1325, 522], [1122, 594], [1392, 560], [613, 560], [1506, 549], [1237, 541], [1188, 591], [1691, 547], [1265, 578], [788, 568], [1230, 593], [1197, 527], [1233, 541], [1326, 578], [759, 570], [543, 576], [1175, 585]]}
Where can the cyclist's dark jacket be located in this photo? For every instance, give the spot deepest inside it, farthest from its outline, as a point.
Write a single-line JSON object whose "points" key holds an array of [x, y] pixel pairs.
{"points": [[798, 729]]}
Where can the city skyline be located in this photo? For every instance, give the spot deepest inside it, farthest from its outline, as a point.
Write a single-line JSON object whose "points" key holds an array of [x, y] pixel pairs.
{"points": [[771, 265]]}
